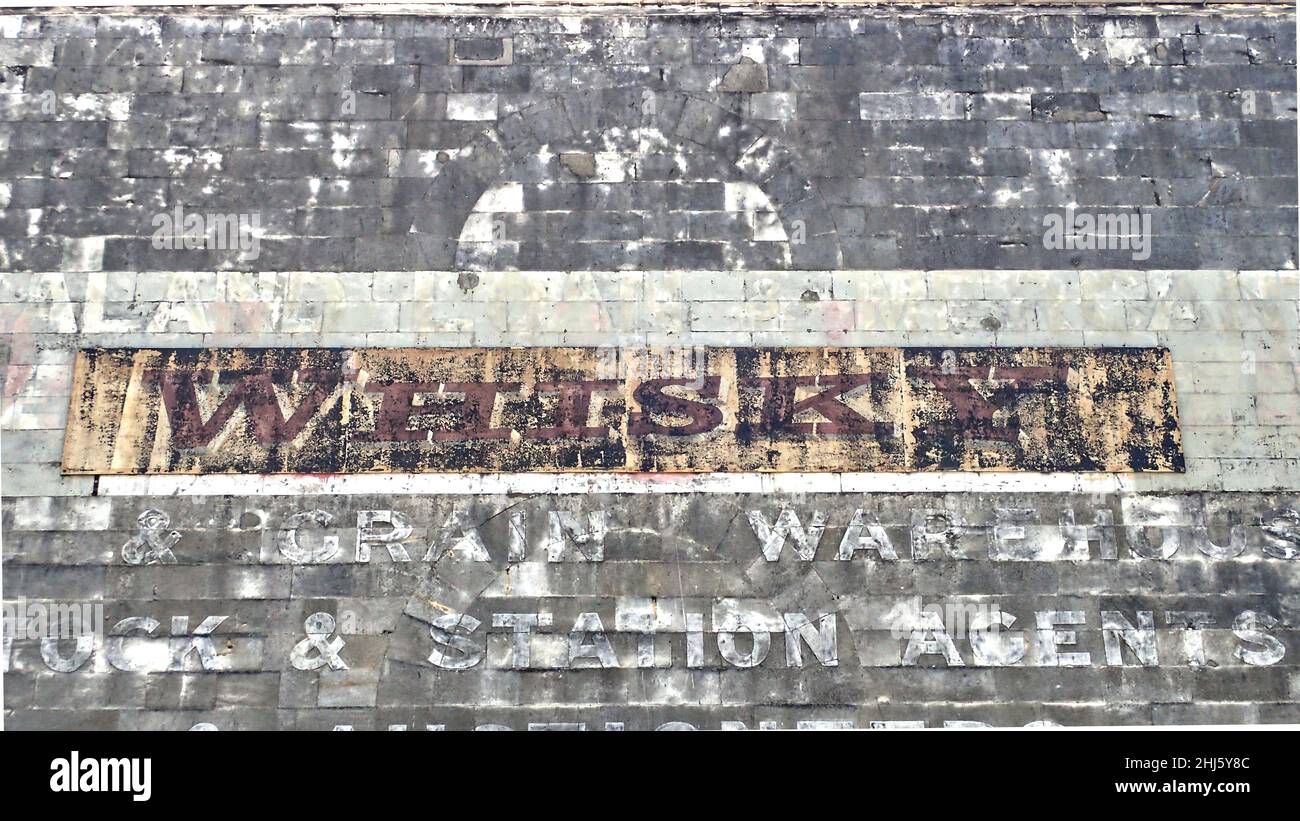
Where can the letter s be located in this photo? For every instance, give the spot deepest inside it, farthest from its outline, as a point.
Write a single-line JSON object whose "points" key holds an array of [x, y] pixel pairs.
{"points": [[1246, 627], [467, 653], [1282, 535], [651, 397]]}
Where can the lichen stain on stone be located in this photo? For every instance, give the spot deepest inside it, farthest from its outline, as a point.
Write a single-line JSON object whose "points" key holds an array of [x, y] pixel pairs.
{"points": [[468, 281]]}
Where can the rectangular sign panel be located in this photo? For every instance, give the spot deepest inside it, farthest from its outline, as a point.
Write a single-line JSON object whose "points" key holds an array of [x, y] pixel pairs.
{"points": [[480, 410]]}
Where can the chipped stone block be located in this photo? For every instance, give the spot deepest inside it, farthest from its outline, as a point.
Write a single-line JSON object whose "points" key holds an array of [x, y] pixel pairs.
{"points": [[482, 51], [745, 77]]}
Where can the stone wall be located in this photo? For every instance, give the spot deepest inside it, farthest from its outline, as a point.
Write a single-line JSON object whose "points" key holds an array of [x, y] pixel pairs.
{"points": [[670, 579], [868, 178], [897, 140]]}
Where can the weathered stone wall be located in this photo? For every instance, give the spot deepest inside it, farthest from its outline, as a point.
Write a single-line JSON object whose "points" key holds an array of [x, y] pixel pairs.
{"points": [[849, 179], [900, 140], [671, 579]]}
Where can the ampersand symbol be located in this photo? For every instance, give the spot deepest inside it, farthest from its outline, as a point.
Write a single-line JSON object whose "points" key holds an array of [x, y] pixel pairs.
{"points": [[319, 627], [150, 544]]}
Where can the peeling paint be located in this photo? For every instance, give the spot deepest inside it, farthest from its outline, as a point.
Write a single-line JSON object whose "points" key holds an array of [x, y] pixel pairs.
{"points": [[320, 410]]}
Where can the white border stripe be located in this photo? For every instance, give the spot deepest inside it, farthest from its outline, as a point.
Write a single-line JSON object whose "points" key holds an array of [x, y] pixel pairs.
{"points": [[575, 483], [623, 7]]}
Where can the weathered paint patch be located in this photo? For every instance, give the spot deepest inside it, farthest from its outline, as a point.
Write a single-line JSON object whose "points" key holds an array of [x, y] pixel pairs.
{"points": [[285, 410]]}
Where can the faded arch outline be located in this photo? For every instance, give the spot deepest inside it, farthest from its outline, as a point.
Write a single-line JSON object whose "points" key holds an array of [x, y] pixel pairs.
{"points": [[695, 123]]}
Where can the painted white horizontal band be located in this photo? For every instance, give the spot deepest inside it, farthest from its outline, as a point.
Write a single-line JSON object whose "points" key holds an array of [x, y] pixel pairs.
{"points": [[588, 7], [574, 483]]}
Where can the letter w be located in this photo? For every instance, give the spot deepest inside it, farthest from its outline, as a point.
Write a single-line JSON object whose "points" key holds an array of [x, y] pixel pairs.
{"points": [[788, 526], [255, 391]]}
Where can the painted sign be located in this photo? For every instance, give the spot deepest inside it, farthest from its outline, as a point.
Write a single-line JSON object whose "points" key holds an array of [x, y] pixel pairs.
{"points": [[315, 410], [644, 611]]}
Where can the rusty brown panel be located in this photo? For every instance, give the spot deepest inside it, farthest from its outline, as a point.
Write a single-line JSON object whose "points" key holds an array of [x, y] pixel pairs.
{"points": [[580, 409], [1042, 409]]}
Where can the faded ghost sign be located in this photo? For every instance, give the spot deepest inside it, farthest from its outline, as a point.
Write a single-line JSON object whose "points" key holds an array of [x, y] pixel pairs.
{"points": [[579, 409]]}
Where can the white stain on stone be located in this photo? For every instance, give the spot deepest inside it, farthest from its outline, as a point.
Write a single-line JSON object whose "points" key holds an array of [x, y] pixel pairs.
{"points": [[477, 228], [1128, 51], [748, 198], [472, 107], [501, 198], [83, 254], [310, 131], [1056, 162]]}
